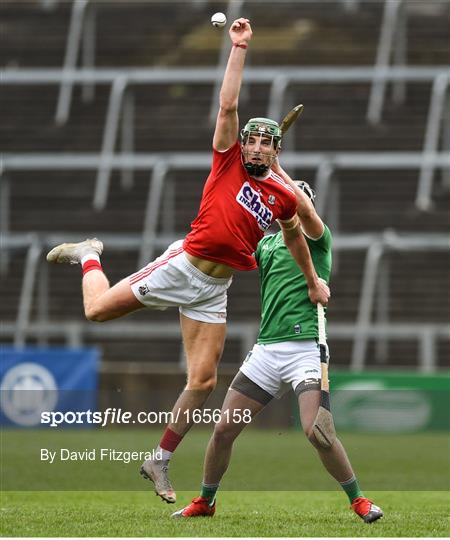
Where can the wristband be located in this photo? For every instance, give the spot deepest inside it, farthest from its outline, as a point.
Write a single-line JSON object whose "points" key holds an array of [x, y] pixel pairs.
{"points": [[296, 222], [240, 45]]}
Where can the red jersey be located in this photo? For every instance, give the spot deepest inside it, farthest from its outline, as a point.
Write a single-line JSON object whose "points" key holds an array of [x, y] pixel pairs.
{"points": [[235, 210]]}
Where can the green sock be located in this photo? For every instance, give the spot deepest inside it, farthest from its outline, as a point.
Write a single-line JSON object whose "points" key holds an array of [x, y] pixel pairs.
{"points": [[351, 487], [209, 492]]}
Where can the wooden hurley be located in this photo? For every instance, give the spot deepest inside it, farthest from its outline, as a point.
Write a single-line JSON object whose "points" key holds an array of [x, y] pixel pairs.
{"points": [[290, 118], [323, 426]]}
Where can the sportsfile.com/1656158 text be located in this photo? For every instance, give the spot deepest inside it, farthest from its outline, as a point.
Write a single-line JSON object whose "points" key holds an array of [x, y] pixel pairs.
{"points": [[113, 416]]}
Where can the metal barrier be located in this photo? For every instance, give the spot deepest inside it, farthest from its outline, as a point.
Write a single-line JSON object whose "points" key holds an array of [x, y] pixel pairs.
{"points": [[375, 245], [326, 164], [392, 43], [439, 110], [120, 116], [48, 4], [82, 27], [4, 217], [75, 332], [109, 139], [392, 34], [152, 213], [388, 242], [350, 5], [278, 78], [81, 35], [25, 302]]}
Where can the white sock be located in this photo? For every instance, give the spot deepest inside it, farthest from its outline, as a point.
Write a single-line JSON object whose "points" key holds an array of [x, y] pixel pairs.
{"points": [[165, 454], [90, 257]]}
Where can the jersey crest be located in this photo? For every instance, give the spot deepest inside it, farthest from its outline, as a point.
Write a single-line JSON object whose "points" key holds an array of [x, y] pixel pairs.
{"points": [[252, 202]]}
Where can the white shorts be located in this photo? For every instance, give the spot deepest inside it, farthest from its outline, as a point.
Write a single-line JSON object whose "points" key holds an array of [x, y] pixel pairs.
{"points": [[276, 367], [172, 281]]}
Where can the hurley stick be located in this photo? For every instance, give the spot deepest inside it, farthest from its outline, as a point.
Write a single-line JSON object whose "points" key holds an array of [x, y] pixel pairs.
{"points": [[290, 118], [323, 427]]}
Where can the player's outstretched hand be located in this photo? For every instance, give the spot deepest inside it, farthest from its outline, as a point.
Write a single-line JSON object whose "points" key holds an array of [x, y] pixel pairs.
{"points": [[319, 293], [241, 31]]}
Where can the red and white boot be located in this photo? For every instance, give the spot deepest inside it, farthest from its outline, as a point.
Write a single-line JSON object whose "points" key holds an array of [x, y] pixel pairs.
{"points": [[198, 507], [366, 510]]}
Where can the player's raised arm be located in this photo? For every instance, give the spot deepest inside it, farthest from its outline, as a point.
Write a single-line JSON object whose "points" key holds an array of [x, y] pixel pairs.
{"points": [[318, 290], [227, 125], [310, 221]]}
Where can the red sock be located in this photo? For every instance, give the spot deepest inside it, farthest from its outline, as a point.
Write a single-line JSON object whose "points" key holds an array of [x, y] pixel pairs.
{"points": [[91, 264], [170, 440]]}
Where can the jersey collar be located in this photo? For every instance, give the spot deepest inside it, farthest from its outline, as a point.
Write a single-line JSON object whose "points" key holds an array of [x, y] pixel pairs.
{"points": [[261, 178]]}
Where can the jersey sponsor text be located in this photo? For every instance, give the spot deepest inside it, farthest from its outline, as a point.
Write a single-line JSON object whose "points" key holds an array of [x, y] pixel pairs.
{"points": [[251, 201]]}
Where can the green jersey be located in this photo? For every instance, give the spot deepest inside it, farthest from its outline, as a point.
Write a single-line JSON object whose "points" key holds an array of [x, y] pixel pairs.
{"points": [[286, 311]]}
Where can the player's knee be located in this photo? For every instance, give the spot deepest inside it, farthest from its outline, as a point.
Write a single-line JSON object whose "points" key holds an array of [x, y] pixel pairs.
{"points": [[309, 434], [312, 438], [202, 383], [224, 434]]}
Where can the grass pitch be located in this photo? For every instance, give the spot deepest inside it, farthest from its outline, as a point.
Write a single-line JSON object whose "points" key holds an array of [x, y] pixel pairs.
{"points": [[407, 475], [250, 514]]}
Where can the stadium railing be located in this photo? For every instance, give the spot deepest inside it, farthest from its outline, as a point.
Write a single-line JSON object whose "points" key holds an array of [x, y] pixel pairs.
{"points": [[392, 35], [81, 36], [160, 164], [374, 294], [392, 42], [439, 114], [122, 79]]}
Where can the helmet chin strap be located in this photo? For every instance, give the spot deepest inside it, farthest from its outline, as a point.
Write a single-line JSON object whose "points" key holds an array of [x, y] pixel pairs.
{"points": [[256, 169]]}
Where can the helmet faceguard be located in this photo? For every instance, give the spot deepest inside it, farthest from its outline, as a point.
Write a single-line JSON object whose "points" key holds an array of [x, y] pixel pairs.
{"points": [[307, 190], [260, 127]]}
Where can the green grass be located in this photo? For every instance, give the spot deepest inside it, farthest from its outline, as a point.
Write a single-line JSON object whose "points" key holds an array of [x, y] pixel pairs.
{"points": [[296, 514], [407, 475], [409, 462]]}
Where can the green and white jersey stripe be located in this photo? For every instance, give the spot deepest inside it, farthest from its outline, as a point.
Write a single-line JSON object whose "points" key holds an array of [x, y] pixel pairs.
{"points": [[286, 311]]}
